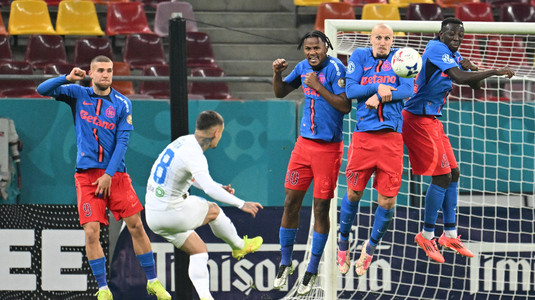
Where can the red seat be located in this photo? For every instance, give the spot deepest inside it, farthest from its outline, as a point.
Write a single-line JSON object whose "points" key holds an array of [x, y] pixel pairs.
{"points": [[152, 54], [166, 10], [424, 11], [58, 68], [333, 10], [156, 89], [453, 3], [17, 88], [499, 3], [360, 3], [124, 87], [463, 92], [517, 12], [199, 50], [5, 49], [45, 49], [126, 18], [3, 29], [87, 48], [479, 12], [471, 50], [505, 51], [210, 90]]}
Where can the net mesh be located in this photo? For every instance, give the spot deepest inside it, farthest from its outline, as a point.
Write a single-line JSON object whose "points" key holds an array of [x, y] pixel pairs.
{"points": [[492, 131]]}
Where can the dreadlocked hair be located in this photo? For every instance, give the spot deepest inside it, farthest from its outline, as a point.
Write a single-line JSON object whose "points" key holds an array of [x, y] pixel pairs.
{"points": [[315, 34]]}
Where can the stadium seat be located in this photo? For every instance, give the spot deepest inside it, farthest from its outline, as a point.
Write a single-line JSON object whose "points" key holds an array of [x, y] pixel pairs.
{"points": [[58, 68], [17, 88], [379, 11], [499, 3], [152, 54], [3, 29], [52, 2], [480, 12], [29, 17], [405, 3], [45, 49], [361, 3], [333, 10], [517, 12], [471, 50], [505, 51], [166, 10], [463, 92], [124, 87], [87, 48], [77, 18], [210, 90], [126, 18], [156, 89], [453, 3], [5, 49], [424, 12], [199, 50]]}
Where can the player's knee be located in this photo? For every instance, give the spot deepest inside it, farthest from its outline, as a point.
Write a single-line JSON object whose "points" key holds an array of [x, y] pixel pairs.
{"points": [[455, 174], [354, 196], [442, 181]]}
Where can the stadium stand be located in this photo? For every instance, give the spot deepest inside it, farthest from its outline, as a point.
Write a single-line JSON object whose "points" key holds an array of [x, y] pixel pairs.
{"points": [[5, 49], [77, 18], [126, 18], [29, 17], [199, 50], [86, 48], [333, 10], [481, 12], [17, 88], [166, 10], [152, 54], [45, 49], [210, 90], [517, 12], [424, 12]]}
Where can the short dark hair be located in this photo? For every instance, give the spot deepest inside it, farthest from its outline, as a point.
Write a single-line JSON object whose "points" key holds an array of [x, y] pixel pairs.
{"points": [[101, 58], [208, 119], [315, 34], [450, 20]]}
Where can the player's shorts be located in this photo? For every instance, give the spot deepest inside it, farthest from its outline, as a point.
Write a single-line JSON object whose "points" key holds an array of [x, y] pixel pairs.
{"points": [[179, 220], [122, 202], [314, 160], [430, 151], [379, 152]]}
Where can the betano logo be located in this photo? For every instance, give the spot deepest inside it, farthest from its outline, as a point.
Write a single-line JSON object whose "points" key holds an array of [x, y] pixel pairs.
{"points": [[95, 120], [378, 79]]}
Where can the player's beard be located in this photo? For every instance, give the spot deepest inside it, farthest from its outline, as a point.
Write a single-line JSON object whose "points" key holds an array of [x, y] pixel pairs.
{"points": [[102, 87]]}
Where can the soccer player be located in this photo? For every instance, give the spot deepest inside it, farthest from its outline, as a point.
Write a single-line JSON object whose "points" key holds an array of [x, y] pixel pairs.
{"points": [[103, 121], [430, 151], [376, 145], [174, 214], [317, 154]]}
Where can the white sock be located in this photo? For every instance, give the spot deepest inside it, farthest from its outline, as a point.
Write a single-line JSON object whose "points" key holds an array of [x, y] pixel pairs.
{"points": [[223, 228], [428, 234], [451, 233], [198, 273], [103, 288]]}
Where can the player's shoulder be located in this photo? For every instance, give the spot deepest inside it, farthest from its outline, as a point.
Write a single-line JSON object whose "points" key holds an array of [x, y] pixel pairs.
{"points": [[121, 100], [335, 63]]}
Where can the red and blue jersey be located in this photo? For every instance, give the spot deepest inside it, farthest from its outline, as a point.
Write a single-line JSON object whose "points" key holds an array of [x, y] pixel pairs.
{"points": [[102, 123], [432, 84], [320, 120], [364, 75]]}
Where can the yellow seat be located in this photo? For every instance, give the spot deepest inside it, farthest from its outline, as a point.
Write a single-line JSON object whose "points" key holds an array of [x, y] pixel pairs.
{"points": [[77, 18], [29, 17], [405, 3], [311, 2], [381, 11]]}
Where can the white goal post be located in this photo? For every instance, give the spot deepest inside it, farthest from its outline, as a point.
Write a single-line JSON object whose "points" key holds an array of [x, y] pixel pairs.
{"points": [[493, 134]]}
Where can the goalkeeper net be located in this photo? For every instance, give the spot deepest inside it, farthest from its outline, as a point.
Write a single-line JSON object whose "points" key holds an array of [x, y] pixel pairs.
{"points": [[492, 131]]}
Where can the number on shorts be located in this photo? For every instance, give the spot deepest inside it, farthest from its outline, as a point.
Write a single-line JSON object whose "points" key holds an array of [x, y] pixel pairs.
{"points": [[161, 169]]}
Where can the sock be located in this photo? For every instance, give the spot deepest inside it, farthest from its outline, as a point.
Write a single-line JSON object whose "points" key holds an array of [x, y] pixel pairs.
{"points": [[98, 266], [287, 241], [449, 210], [381, 222], [223, 228], [433, 202], [147, 262], [348, 210], [318, 244], [198, 273]]}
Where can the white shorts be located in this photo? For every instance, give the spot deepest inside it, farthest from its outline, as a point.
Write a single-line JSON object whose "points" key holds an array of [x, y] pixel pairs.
{"points": [[177, 222]]}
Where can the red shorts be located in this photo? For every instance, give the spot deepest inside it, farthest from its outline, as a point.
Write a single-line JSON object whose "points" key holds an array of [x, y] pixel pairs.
{"points": [[430, 151], [123, 201], [379, 152], [314, 160]]}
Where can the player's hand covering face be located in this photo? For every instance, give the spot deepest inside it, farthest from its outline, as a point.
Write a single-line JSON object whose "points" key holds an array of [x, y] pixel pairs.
{"points": [[315, 52], [381, 39], [101, 74], [452, 36]]}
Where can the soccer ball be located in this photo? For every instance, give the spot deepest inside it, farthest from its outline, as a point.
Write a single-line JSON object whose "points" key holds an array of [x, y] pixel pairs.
{"points": [[406, 62]]}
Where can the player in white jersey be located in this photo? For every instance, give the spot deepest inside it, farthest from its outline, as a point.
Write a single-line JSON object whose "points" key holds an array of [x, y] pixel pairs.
{"points": [[172, 213]]}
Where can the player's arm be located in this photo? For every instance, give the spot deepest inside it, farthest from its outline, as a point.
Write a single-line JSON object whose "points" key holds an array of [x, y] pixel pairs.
{"points": [[280, 87], [103, 183], [474, 78], [339, 102], [354, 88], [48, 87], [216, 191]]}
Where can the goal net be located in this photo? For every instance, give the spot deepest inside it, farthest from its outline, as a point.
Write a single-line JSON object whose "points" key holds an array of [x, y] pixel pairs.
{"points": [[492, 131]]}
